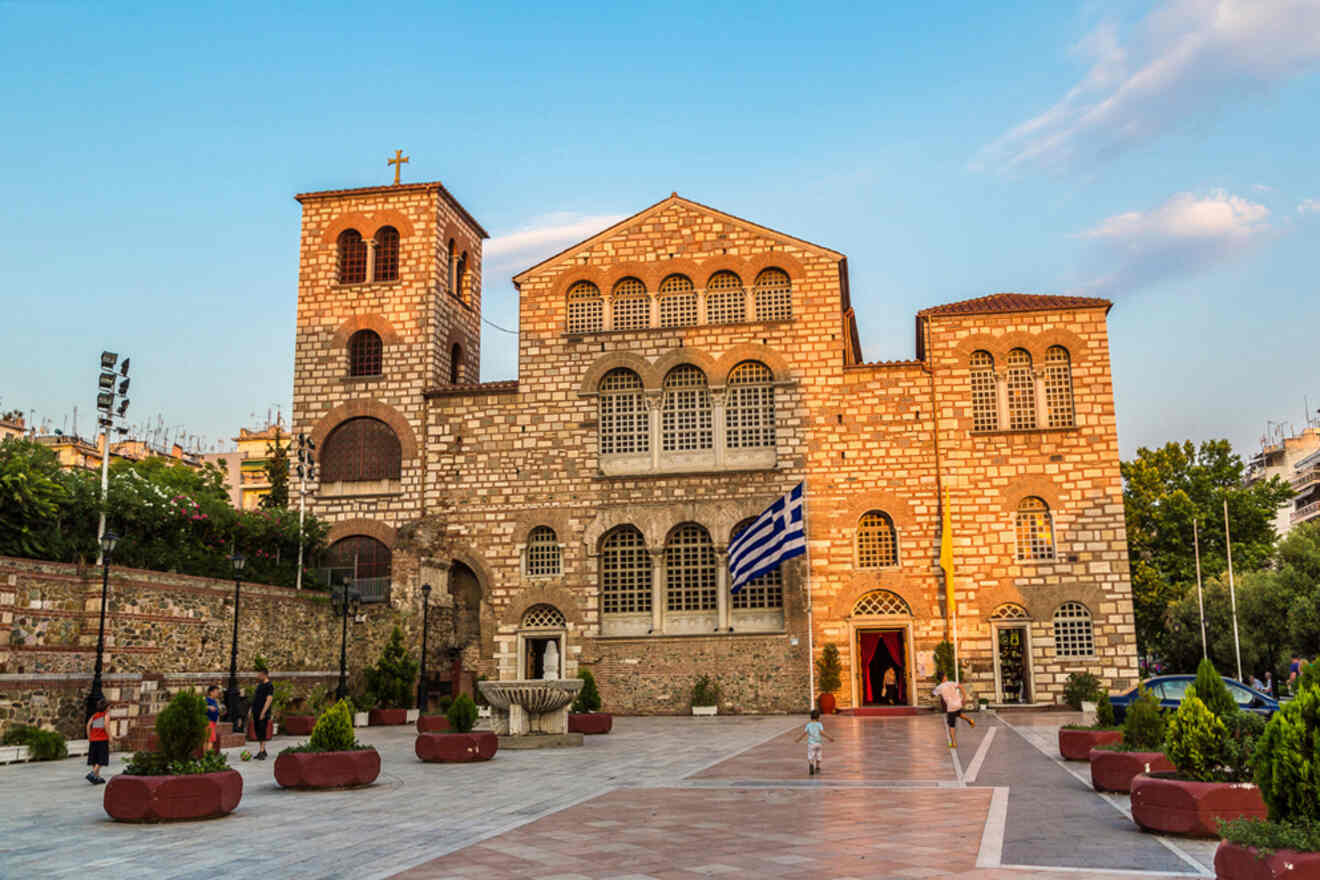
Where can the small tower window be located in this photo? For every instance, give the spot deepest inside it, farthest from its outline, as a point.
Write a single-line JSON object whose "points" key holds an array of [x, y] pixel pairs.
{"points": [[352, 257], [387, 254], [461, 279], [455, 364], [364, 353], [1035, 530], [543, 554]]}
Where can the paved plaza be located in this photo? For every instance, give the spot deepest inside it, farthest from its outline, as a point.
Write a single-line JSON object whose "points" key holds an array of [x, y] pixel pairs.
{"points": [[658, 798]]}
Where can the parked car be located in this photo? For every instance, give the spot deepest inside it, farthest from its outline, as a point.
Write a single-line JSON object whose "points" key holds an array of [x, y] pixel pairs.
{"points": [[1169, 689]]}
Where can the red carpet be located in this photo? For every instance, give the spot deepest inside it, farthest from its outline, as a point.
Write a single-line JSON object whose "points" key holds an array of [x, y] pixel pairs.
{"points": [[883, 711]]}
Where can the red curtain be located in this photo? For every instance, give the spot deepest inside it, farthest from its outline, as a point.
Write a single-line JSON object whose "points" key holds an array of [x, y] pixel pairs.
{"points": [[870, 642], [894, 644]]}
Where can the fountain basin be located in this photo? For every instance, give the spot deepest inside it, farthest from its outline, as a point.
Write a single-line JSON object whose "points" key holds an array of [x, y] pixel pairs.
{"points": [[519, 708]]}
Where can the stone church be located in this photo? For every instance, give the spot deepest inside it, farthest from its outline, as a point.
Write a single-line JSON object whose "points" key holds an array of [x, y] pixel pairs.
{"points": [[678, 372]]}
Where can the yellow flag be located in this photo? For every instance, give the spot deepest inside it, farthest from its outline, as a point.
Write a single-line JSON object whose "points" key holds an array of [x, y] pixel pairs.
{"points": [[946, 553]]}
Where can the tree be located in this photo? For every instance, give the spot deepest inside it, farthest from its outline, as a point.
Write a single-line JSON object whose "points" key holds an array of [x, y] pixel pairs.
{"points": [[277, 474], [30, 495]]}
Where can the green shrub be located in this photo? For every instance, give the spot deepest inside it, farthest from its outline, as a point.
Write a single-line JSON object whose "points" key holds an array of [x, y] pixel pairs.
{"points": [[829, 669], [1244, 729], [317, 700], [1194, 739], [156, 764], [17, 734], [1104, 713], [1081, 687], [1212, 691], [181, 726], [43, 745], [944, 662], [705, 692], [1269, 837], [394, 678], [1308, 676], [1287, 758], [260, 665], [587, 699], [462, 714], [1143, 728], [442, 705], [334, 730]]}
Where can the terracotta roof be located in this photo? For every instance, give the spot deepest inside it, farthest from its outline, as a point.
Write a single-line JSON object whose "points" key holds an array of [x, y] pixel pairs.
{"points": [[433, 186], [1015, 302], [505, 386]]}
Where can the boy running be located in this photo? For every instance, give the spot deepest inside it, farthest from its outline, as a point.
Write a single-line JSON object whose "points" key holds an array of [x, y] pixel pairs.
{"points": [[813, 732], [951, 693]]}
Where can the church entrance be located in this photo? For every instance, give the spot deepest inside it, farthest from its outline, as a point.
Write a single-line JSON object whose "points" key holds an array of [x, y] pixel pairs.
{"points": [[883, 667], [1012, 663]]}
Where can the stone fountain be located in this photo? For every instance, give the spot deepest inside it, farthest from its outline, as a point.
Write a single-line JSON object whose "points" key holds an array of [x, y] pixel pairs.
{"points": [[530, 707]]}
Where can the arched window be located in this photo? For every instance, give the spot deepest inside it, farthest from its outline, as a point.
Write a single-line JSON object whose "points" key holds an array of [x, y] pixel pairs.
{"points": [[461, 278], [773, 294], [364, 353], [1058, 387], [352, 257], [621, 405], [1010, 611], [455, 364], [678, 302], [1074, 634], [387, 254], [879, 602], [690, 569], [766, 591], [749, 415], [625, 573], [726, 301], [361, 450], [543, 616], [685, 419], [586, 312], [359, 557], [452, 268], [877, 542], [985, 394], [1021, 391], [1035, 530], [543, 554], [630, 307]]}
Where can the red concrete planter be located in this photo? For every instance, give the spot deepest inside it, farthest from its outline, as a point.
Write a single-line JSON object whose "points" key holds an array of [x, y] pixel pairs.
{"points": [[456, 748], [379, 717], [591, 722], [298, 725], [327, 769], [1076, 745], [432, 724], [1114, 771], [827, 703], [172, 798], [1235, 862], [1177, 806]]}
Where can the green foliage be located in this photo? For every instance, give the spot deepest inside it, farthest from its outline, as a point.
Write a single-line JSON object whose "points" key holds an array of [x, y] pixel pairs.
{"points": [[1104, 713], [1194, 739], [462, 714], [1302, 835], [181, 726], [944, 662], [829, 669], [1287, 760], [317, 700], [1211, 690], [30, 494], [1308, 676], [442, 705], [1082, 687], [1244, 730], [394, 677], [587, 699], [705, 692], [259, 664], [334, 730], [277, 474], [43, 745], [1143, 726], [157, 764]]}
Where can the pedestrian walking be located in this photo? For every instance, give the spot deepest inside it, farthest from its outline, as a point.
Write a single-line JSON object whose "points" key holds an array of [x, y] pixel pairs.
{"points": [[813, 732], [262, 702], [213, 716], [98, 741], [952, 696], [1269, 684]]}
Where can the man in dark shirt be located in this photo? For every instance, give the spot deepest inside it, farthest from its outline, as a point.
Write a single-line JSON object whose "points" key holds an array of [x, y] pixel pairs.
{"points": [[262, 702]]}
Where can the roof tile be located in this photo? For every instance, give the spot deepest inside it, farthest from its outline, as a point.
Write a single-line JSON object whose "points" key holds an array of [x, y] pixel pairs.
{"points": [[1015, 302]]}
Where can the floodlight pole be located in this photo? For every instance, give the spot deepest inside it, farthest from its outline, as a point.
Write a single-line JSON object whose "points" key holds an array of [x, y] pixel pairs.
{"points": [[106, 422]]}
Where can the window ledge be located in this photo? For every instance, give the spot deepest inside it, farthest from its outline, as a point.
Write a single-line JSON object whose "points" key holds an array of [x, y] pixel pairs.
{"points": [[1016, 431], [581, 335], [704, 472], [349, 284], [365, 380], [722, 634]]}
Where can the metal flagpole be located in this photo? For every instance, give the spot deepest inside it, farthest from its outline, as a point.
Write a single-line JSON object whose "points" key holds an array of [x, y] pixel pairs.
{"points": [[1200, 598], [1232, 592], [811, 649]]}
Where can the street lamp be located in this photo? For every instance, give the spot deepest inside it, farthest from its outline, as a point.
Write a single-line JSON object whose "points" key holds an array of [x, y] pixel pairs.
{"points": [[108, 541], [421, 678], [306, 471], [345, 601], [231, 693]]}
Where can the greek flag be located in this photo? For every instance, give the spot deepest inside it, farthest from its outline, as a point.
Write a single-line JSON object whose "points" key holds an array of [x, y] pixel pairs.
{"points": [[777, 535]]}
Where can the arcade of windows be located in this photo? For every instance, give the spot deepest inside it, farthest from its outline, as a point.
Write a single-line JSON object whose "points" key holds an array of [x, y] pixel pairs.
{"points": [[1021, 397], [678, 303], [360, 259]]}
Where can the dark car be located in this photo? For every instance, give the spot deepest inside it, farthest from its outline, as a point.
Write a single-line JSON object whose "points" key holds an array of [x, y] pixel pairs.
{"points": [[1169, 690]]}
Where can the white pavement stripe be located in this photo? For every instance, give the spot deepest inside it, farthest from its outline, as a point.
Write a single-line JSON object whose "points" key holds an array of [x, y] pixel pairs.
{"points": [[1117, 872], [957, 767], [979, 758], [992, 837]]}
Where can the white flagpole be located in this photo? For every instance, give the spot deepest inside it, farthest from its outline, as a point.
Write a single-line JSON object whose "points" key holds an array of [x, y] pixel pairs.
{"points": [[811, 649], [1232, 592], [1200, 598]]}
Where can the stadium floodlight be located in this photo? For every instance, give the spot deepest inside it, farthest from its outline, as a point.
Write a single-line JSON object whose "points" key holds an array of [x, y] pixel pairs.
{"points": [[108, 360]]}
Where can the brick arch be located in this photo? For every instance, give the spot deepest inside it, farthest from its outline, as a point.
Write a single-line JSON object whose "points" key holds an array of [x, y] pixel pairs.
{"points": [[749, 351], [367, 223], [460, 551], [572, 275], [565, 601], [1035, 343], [525, 521], [723, 263], [897, 506], [1042, 601], [842, 607], [464, 342], [677, 266], [607, 521], [694, 356], [384, 329], [626, 359], [646, 272], [755, 263], [372, 528], [373, 409], [1038, 485]]}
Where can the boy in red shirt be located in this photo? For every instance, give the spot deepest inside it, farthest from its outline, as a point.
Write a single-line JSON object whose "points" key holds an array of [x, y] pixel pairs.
{"points": [[98, 741]]}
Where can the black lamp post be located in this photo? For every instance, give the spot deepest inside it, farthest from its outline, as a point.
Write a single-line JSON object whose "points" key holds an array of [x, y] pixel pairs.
{"points": [[421, 677], [345, 601], [108, 541], [232, 698]]}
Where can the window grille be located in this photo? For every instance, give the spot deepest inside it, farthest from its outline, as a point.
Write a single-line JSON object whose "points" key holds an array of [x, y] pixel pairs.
{"points": [[625, 572], [451, 267], [1074, 635], [624, 427], [1058, 387], [726, 301], [690, 570], [364, 353], [877, 543], [387, 254], [749, 414], [586, 310], [881, 602], [543, 617], [686, 422], [678, 302], [1010, 611], [360, 557], [543, 554], [455, 364], [1021, 391], [1035, 530], [630, 307], [460, 278], [774, 295], [360, 450], [766, 591], [352, 257], [985, 394]]}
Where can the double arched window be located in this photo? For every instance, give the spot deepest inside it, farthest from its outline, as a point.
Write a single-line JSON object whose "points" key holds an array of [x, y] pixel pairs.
{"points": [[544, 557], [352, 257], [685, 419], [361, 450], [621, 406], [678, 302], [1035, 530], [365, 353], [765, 591], [877, 540], [773, 293], [586, 309], [690, 569], [749, 415], [1023, 409], [1074, 633], [625, 572], [630, 306], [726, 301], [387, 254]]}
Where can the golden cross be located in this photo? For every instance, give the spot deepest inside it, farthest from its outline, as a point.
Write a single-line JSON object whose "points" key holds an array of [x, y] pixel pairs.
{"points": [[397, 162]]}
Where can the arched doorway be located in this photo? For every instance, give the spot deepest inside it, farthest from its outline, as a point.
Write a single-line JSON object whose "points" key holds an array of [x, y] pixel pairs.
{"points": [[542, 646], [880, 640], [465, 589], [1010, 625]]}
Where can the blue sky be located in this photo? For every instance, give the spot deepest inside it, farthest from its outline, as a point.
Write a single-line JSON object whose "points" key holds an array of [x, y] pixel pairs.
{"points": [[1161, 155]]}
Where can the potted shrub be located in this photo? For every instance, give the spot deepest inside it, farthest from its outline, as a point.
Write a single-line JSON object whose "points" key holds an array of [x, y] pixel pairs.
{"points": [[178, 781], [437, 722], [1287, 843], [705, 696], [585, 715], [28, 743], [461, 743], [829, 670], [393, 680], [332, 758], [303, 721], [1113, 767], [1077, 740], [1081, 688]]}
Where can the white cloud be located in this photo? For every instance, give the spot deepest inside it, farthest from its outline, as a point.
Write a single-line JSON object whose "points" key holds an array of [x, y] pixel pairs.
{"points": [[1183, 236], [1309, 206], [545, 236], [1186, 58]]}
